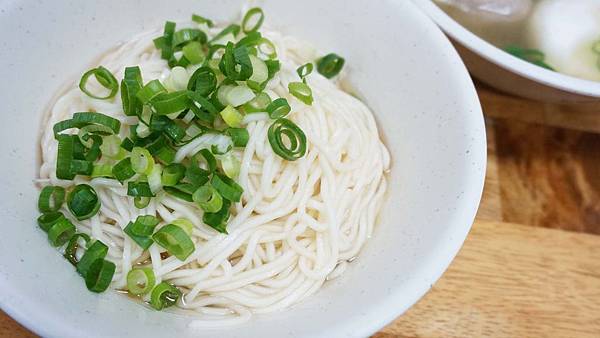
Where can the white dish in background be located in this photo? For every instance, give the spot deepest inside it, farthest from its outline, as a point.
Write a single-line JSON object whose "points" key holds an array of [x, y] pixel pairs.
{"points": [[508, 73], [399, 62]]}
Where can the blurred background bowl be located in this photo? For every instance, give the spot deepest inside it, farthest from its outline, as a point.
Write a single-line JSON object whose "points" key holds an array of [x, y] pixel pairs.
{"points": [[507, 73]]}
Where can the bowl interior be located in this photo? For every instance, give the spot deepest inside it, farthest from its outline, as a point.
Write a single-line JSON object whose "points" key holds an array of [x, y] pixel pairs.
{"points": [[574, 89], [400, 63]]}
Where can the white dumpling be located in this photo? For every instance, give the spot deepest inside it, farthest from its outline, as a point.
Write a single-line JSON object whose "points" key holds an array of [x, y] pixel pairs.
{"points": [[565, 30]]}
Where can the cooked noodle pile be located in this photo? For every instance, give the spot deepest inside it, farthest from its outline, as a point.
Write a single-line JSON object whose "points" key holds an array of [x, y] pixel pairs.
{"points": [[299, 223]]}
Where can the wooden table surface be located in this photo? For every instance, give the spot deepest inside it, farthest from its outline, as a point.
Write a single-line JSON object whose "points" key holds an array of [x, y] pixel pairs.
{"points": [[531, 264]]}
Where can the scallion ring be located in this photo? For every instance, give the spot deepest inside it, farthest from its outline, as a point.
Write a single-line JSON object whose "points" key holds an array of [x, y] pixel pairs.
{"points": [[287, 139], [140, 281], [51, 198], [278, 108], [141, 202], [60, 232], [97, 250], [71, 249], [253, 20], [301, 91], [330, 65], [150, 91], [123, 170], [175, 240], [305, 70], [104, 78], [83, 202], [208, 199], [227, 187], [100, 275], [172, 174], [164, 295], [142, 161], [47, 220], [139, 189]]}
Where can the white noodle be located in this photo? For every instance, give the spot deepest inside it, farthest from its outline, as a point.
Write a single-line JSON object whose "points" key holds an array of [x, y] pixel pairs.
{"points": [[299, 223]]}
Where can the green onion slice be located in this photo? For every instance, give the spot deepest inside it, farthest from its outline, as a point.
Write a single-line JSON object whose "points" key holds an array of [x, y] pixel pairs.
{"points": [[164, 295], [142, 161], [208, 198], [203, 81], [232, 117], [172, 174], [235, 63], [206, 156], [278, 108], [150, 91], [305, 70], [123, 170], [47, 220], [182, 191], [193, 52], [141, 230], [104, 78], [60, 232], [71, 250], [239, 136], [51, 199], [218, 220], [330, 65], [227, 187], [231, 29], [140, 281], [169, 103], [287, 139], [130, 85], [253, 20], [267, 47], [258, 103], [186, 35], [139, 189], [83, 202], [175, 240], [185, 224], [301, 91], [100, 275], [96, 251], [102, 170], [196, 175], [64, 157], [202, 20], [141, 202]]}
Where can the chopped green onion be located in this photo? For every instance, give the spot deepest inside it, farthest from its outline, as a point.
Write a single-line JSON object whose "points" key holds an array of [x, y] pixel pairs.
{"points": [[184, 224], [209, 159], [257, 104], [208, 198], [253, 20], [533, 56], [71, 250], [182, 191], [305, 70], [141, 202], [111, 147], [100, 275], [47, 220], [79, 167], [142, 161], [139, 189], [235, 63], [104, 78], [267, 47], [250, 40], [330, 65], [83, 202], [60, 232], [140, 281], [175, 240], [232, 29], [164, 295], [202, 20], [260, 72], [51, 198], [239, 136], [207, 113], [227, 187], [123, 171], [196, 175], [102, 170], [294, 147], [172, 174], [150, 91], [217, 220], [82, 119], [301, 91], [141, 230], [232, 117], [130, 85], [188, 35], [230, 165], [154, 178], [203, 81], [193, 52], [96, 251], [64, 156], [164, 43], [169, 103], [278, 108], [238, 95]]}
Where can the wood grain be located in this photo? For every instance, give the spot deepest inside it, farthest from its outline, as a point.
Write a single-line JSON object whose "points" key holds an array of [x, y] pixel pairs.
{"points": [[12, 329], [512, 281]]}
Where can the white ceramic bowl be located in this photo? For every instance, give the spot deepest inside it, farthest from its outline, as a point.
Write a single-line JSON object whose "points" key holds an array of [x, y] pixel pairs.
{"points": [[400, 62], [508, 73]]}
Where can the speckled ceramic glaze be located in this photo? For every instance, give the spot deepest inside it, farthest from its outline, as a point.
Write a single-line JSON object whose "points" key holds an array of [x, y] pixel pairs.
{"points": [[400, 63]]}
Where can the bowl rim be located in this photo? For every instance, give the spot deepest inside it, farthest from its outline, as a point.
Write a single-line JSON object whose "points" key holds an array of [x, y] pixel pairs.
{"points": [[502, 59], [388, 309]]}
